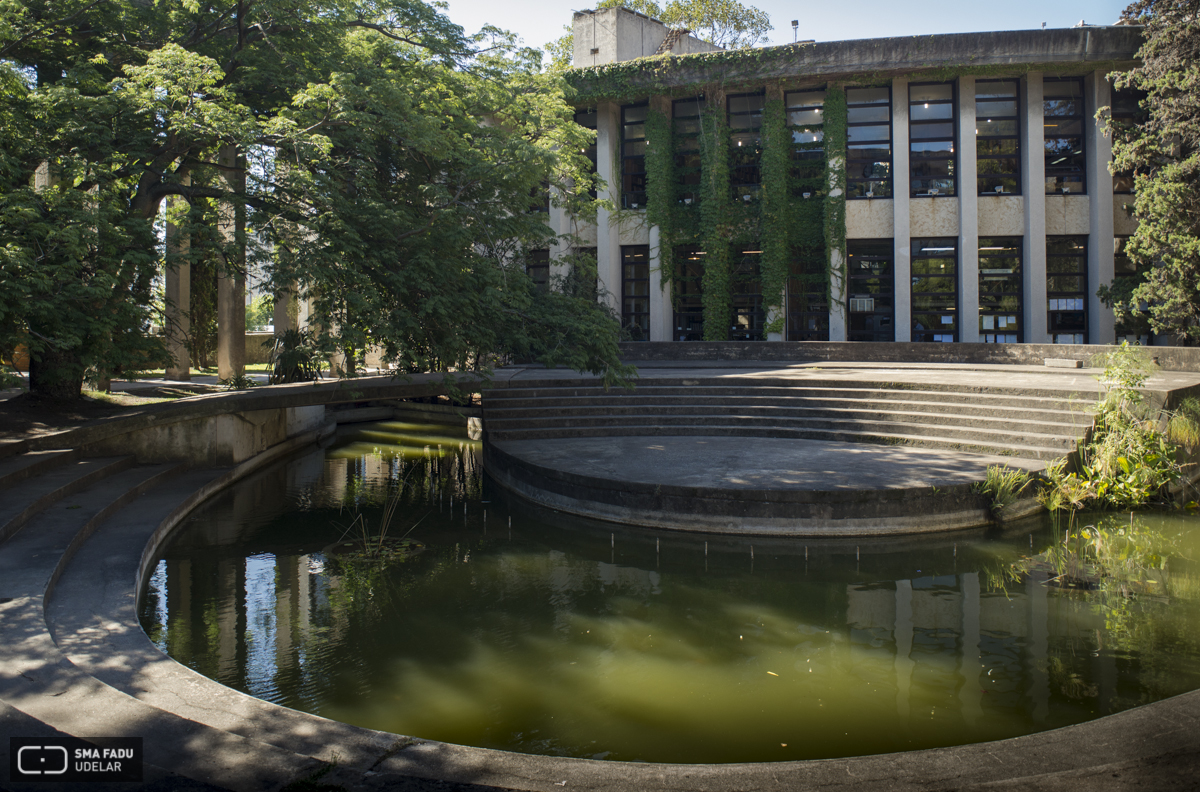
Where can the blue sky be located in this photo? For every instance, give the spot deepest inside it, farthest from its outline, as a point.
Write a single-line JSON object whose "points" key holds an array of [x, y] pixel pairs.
{"points": [[539, 21]]}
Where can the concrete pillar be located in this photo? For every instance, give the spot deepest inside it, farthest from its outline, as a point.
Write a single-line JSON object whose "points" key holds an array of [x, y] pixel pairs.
{"points": [[968, 215], [901, 188], [560, 224], [1033, 186], [177, 324], [1098, 147], [282, 315], [660, 291], [608, 233], [839, 319], [231, 280]]}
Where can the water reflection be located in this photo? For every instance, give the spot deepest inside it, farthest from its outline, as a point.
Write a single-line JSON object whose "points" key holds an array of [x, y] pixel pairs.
{"points": [[534, 632]]}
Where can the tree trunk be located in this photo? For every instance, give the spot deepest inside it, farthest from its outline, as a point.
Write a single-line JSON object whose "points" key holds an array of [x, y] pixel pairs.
{"points": [[56, 374]]}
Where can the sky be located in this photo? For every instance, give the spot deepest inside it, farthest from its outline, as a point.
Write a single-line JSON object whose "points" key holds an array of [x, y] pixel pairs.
{"points": [[540, 21]]}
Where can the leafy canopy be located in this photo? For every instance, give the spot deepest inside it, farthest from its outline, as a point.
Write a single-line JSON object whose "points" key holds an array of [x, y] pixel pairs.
{"points": [[384, 164], [1163, 153]]}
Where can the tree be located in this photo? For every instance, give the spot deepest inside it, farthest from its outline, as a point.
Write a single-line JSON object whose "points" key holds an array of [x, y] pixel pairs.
{"points": [[725, 23], [386, 161], [1163, 153]]}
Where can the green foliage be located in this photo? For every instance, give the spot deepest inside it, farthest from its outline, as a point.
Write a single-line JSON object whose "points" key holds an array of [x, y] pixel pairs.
{"points": [[1003, 485], [717, 220], [1133, 455], [383, 155], [294, 357], [776, 200], [1163, 153], [835, 180], [237, 382], [260, 312]]}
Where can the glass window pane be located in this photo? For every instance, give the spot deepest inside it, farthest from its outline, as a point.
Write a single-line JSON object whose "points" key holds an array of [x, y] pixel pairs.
{"points": [[931, 93], [932, 131], [929, 112], [805, 99], [866, 115], [988, 89], [867, 95]]}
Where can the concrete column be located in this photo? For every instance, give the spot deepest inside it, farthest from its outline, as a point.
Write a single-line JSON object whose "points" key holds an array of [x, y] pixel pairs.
{"points": [[282, 314], [231, 280], [900, 218], [839, 318], [660, 291], [560, 224], [608, 233], [968, 215], [1033, 187], [177, 324], [1098, 147]]}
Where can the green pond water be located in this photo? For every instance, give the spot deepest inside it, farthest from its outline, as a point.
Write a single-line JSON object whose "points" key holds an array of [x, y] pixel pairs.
{"points": [[498, 625]]}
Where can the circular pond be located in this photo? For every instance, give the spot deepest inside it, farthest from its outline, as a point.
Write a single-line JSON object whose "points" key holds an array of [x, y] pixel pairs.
{"points": [[383, 583]]}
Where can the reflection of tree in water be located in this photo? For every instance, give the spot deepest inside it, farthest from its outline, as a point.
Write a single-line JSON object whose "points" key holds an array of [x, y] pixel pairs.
{"points": [[1140, 579]]}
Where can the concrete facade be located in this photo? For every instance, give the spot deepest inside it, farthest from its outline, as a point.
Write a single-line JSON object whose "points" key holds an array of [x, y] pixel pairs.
{"points": [[1026, 216]]}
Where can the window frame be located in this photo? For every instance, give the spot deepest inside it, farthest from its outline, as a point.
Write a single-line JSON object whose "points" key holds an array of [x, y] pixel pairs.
{"points": [[635, 324], [1082, 118], [1014, 244], [1016, 136], [852, 163], [915, 159], [633, 159], [946, 249], [689, 190], [887, 277], [1059, 295], [742, 188]]}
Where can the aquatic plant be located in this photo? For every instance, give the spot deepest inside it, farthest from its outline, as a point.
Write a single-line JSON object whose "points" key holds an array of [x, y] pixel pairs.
{"points": [[1003, 484]]}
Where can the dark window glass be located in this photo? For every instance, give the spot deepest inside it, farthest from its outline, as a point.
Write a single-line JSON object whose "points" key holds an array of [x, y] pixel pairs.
{"points": [[808, 296], [583, 280], [688, 293], [997, 137], [869, 149], [745, 140], [871, 289], [635, 292], [1063, 136], [633, 156], [805, 116], [1066, 289], [931, 160], [586, 118], [1134, 328], [1000, 317], [537, 267], [686, 114], [935, 290], [747, 322]]}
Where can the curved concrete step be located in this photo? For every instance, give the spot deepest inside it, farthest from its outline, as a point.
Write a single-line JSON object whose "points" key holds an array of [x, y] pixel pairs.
{"points": [[19, 504], [782, 416], [34, 463], [1021, 448]]}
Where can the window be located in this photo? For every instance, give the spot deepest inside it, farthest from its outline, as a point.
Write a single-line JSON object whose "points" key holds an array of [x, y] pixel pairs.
{"points": [[539, 198], [1064, 135], [935, 290], [808, 296], [1133, 327], [869, 143], [805, 117], [998, 137], [633, 156], [1066, 288], [747, 322], [931, 120], [745, 140], [586, 118], [635, 291], [871, 290], [687, 120], [1127, 112], [1000, 318], [688, 292], [537, 267]]}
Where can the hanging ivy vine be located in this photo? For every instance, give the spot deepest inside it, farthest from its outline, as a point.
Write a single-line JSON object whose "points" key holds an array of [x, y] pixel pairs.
{"points": [[662, 191], [717, 220], [835, 179], [775, 211]]}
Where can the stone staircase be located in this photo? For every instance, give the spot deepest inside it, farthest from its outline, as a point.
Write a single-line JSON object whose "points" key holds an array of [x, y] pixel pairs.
{"points": [[1031, 424]]}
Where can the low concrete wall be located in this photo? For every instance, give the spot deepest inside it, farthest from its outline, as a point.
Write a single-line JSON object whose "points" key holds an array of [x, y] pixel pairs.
{"points": [[1167, 358]]}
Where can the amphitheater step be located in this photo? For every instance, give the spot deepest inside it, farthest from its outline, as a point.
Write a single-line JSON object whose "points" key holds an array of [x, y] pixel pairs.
{"points": [[19, 504], [1024, 447], [34, 463]]}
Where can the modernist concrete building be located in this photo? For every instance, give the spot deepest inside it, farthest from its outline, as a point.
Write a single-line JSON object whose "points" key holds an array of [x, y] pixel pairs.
{"points": [[970, 170]]}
